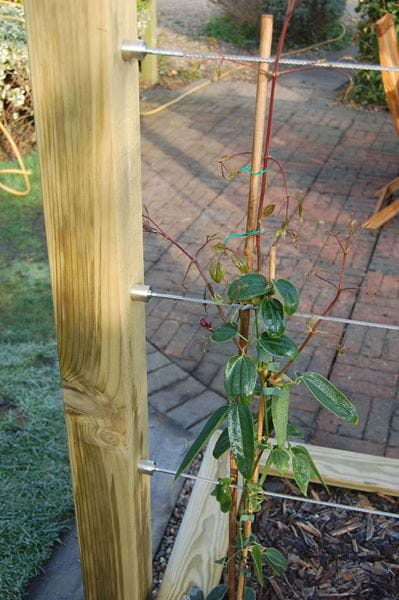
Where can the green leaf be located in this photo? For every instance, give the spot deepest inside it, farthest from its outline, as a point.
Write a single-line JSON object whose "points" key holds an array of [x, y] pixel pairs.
{"points": [[222, 444], [240, 377], [315, 472], [280, 458], [330, 397], [257, 560], [272, 314], [283, 346], [196, 594], [218, 593], [302, 470], [249, 286], [249, 594], [263, 356], [280, 406], [222, 493], [213, 422], [241, 435], [289, 295], [276, 560], [225, 333]]}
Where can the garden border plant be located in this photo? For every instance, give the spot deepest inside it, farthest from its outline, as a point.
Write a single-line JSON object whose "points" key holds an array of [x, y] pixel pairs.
{"points": [[367, 88], [255, 374]]}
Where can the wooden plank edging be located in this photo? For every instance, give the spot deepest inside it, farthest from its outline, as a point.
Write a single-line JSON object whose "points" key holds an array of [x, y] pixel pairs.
{"points": [[203, 534], [353, 470], [202, 537]]}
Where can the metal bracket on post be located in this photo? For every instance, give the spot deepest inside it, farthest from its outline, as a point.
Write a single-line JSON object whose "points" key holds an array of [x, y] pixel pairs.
{"points": [[139, 292], [136, 50], [146, 466]]}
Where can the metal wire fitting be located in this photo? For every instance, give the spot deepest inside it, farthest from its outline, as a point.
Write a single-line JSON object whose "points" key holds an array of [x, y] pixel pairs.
{"points": [[138, 50], [148, 467], [144, 293]]}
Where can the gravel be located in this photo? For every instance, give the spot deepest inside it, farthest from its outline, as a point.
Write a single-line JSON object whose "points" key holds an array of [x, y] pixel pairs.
{"points": [[188, 17]]}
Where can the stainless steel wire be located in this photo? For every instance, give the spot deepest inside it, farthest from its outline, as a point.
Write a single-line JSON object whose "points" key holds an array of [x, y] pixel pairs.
{"points": [[296, 62], [369, 511], [180, 298]]}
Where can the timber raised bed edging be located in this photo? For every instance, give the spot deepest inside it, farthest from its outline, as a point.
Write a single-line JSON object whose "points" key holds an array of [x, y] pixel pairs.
{"points": [[203, 535]]}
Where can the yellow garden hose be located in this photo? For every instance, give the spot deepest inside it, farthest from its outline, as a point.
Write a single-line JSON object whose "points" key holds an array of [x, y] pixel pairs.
{"points": [[21, 171]]}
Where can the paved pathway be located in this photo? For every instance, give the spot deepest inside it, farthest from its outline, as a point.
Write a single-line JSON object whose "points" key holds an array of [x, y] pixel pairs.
{"points": [[335, 157]]}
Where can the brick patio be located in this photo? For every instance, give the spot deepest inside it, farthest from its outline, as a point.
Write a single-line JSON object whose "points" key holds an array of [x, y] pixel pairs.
{"points": [[335, 158]]}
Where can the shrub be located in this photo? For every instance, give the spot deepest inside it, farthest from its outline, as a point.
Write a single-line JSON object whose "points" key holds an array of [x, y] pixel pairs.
{"points": [[230, 30], [367, 85], [312, 21], [16, 109]]}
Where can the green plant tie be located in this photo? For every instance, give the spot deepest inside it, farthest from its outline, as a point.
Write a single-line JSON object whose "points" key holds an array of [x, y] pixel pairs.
{"points": [[241, 235], [249, 170]]}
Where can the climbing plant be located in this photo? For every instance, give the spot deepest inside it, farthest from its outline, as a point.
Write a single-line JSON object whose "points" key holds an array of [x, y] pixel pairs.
{"points": [[258, 376]]}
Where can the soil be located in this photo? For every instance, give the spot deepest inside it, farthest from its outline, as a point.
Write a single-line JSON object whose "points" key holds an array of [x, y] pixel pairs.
{"points": [[332, 553]]}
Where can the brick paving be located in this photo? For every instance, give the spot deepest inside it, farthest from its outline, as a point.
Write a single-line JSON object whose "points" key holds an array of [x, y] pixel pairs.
{"points": [[335, 158]]}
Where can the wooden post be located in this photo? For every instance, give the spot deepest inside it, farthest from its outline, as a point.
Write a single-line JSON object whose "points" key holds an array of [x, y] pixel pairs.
{"points": [[149, 66], [87, 117]]}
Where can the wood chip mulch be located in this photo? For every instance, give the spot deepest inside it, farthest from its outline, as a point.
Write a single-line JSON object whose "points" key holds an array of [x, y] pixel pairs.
{"points": [[332, 553]]}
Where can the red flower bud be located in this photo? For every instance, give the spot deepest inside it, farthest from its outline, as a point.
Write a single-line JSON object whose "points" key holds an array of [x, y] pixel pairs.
{"points": [[205, 324]]}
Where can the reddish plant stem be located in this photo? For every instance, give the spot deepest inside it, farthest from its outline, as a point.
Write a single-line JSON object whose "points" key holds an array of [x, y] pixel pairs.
{"points": [[193, 260], [340, 288]]}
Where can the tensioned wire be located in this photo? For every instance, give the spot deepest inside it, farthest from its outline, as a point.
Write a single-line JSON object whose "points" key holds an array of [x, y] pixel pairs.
{"points": [[369, 511], [297, 62], [176, 297]]}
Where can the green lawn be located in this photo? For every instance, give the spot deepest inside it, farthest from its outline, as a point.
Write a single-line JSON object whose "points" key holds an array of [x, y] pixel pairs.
{"points": [[35, 496]]}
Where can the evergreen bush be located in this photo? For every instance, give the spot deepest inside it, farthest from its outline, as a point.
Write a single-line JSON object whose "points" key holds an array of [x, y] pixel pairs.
{"points": [[312, 21], [367, 85]]}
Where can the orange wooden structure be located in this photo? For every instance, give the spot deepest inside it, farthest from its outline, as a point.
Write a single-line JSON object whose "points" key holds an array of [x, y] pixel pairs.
{"points": [[389, 57]]}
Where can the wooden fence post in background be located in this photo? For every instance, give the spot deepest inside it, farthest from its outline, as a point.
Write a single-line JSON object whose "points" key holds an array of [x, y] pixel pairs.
{"points": [[149, 66], [87, 117]]}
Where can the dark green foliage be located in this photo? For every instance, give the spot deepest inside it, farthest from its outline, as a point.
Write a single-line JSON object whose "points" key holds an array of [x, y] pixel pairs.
{"points": [[249, 287], [218, 593], [222, 445], [276, 560], [283, 346], [330, 397], [222, 493], [223, 27], [196, 594], [272, 314], [367, 86], [240, 377], [289, 295], [224, 333], [241, 435], [210, 426], [312, 22]]}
